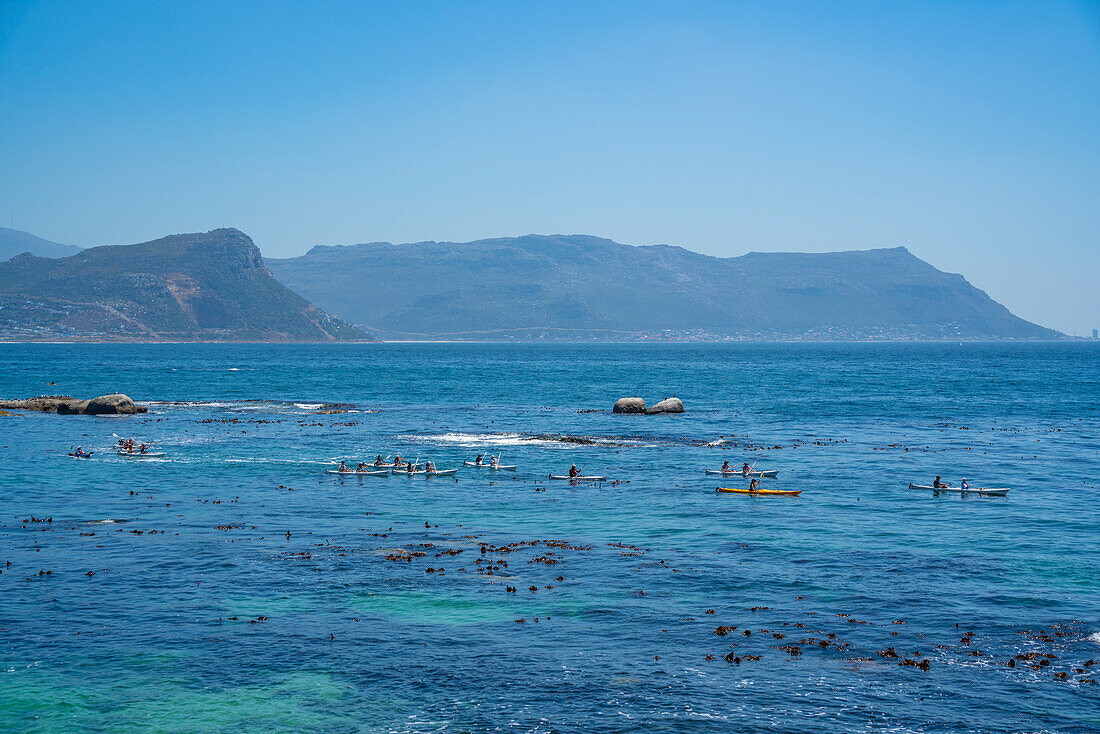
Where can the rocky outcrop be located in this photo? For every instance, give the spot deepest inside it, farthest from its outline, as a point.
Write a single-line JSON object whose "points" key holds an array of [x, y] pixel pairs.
{"points": [[114, 404], [668, 405], [629, 405], [42, 403]]}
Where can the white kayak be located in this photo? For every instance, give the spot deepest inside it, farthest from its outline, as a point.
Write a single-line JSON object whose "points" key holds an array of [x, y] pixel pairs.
{"points": [[496, 467], [992, 492], [741, 473], [425, 473], [369, 473], [146, 455], [578, 478]]}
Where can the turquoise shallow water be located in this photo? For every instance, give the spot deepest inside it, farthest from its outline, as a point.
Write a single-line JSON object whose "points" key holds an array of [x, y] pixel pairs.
{"points": [[218, 620]]}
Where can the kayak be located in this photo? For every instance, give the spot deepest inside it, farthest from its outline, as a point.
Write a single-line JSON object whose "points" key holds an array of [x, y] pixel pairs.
{"points": [[996, 492], [146, 455], [380, 473], [81, 456], [738, 490], [738, 472], [498, 467], [422, 472], [579, 478]]}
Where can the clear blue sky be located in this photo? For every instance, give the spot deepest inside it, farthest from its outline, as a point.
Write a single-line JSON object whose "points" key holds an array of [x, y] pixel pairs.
{"points": [[969, 132]]}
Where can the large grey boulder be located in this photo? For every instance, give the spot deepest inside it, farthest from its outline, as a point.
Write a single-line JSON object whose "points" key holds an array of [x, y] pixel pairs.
{"points": [[629, 405], [115, 404], [668, 405]]}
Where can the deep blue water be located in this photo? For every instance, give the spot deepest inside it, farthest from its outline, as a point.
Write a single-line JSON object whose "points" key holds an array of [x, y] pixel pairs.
{"points": [[165, 634]]}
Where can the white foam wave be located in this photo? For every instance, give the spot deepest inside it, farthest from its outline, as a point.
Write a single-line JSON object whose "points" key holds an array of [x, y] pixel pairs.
{"points": [[1095, 637], [309, 406], [479, 439]]}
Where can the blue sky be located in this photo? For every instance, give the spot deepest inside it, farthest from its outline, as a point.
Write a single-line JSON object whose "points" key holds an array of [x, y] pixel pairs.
{"points": [[969, 132]]}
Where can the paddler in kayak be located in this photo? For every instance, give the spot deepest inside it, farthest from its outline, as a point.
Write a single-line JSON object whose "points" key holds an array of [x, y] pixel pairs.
{"points": [[478, 460], [144, 449], [745, 468], [962, 485], [753, 486], [429, 466], [938, 484], [726, 466], [361, 467], [573, 471], [79, 452], [494, 461], [378, 461], [397, 460], [409, 467], [342, 467]]}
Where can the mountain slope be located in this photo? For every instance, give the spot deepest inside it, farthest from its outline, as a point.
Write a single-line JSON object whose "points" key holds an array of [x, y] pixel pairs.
{"points": [[211, 286], [569, 285], [15, 242]]}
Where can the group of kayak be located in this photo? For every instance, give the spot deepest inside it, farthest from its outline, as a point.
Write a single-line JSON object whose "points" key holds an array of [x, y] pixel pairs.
{"points": [[380, 467], [124, 447]]}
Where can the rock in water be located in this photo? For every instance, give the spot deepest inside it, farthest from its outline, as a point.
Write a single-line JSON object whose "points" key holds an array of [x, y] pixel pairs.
{"points": [[116, 404], [668, 405], [630, 405]]}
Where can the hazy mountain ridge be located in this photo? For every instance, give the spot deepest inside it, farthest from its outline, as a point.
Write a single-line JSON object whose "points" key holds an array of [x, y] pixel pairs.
{"points": [[570, 285], [15, 242], [211, 286]]}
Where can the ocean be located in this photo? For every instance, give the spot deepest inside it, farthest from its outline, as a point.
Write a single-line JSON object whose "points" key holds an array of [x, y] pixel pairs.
{"points": [[234, 585]]}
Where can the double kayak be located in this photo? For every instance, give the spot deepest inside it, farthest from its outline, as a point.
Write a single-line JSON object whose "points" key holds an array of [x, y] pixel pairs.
{"points": [[769, 492], [368, 473], [500, 467], [146, 455], [994, 492], [578, 478], [741, 473], [81, 456], [424, 472]]}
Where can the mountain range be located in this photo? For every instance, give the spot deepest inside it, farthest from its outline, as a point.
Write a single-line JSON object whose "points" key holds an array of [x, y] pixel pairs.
{"points": [[579, 286], [15, 242], [212, 286]]}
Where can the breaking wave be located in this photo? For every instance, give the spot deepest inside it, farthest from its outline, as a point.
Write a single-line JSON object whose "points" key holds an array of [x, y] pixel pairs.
{"points": [[473, 440]]}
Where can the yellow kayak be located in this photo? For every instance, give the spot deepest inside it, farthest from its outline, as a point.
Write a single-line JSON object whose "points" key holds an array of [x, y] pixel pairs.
{"points": [[738, 490]]}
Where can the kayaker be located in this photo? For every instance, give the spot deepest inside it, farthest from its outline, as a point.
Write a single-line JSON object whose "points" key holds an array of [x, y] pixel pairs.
{"points": [[478, 460], [429, 467], [397, 460], [378, 460], [361, 467], [752, 486], [573, 471], [342, 467], [726, 466], [144, 449], [745, 468], [938, 484], [494, 461], [409, 467], [962, 485]]}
